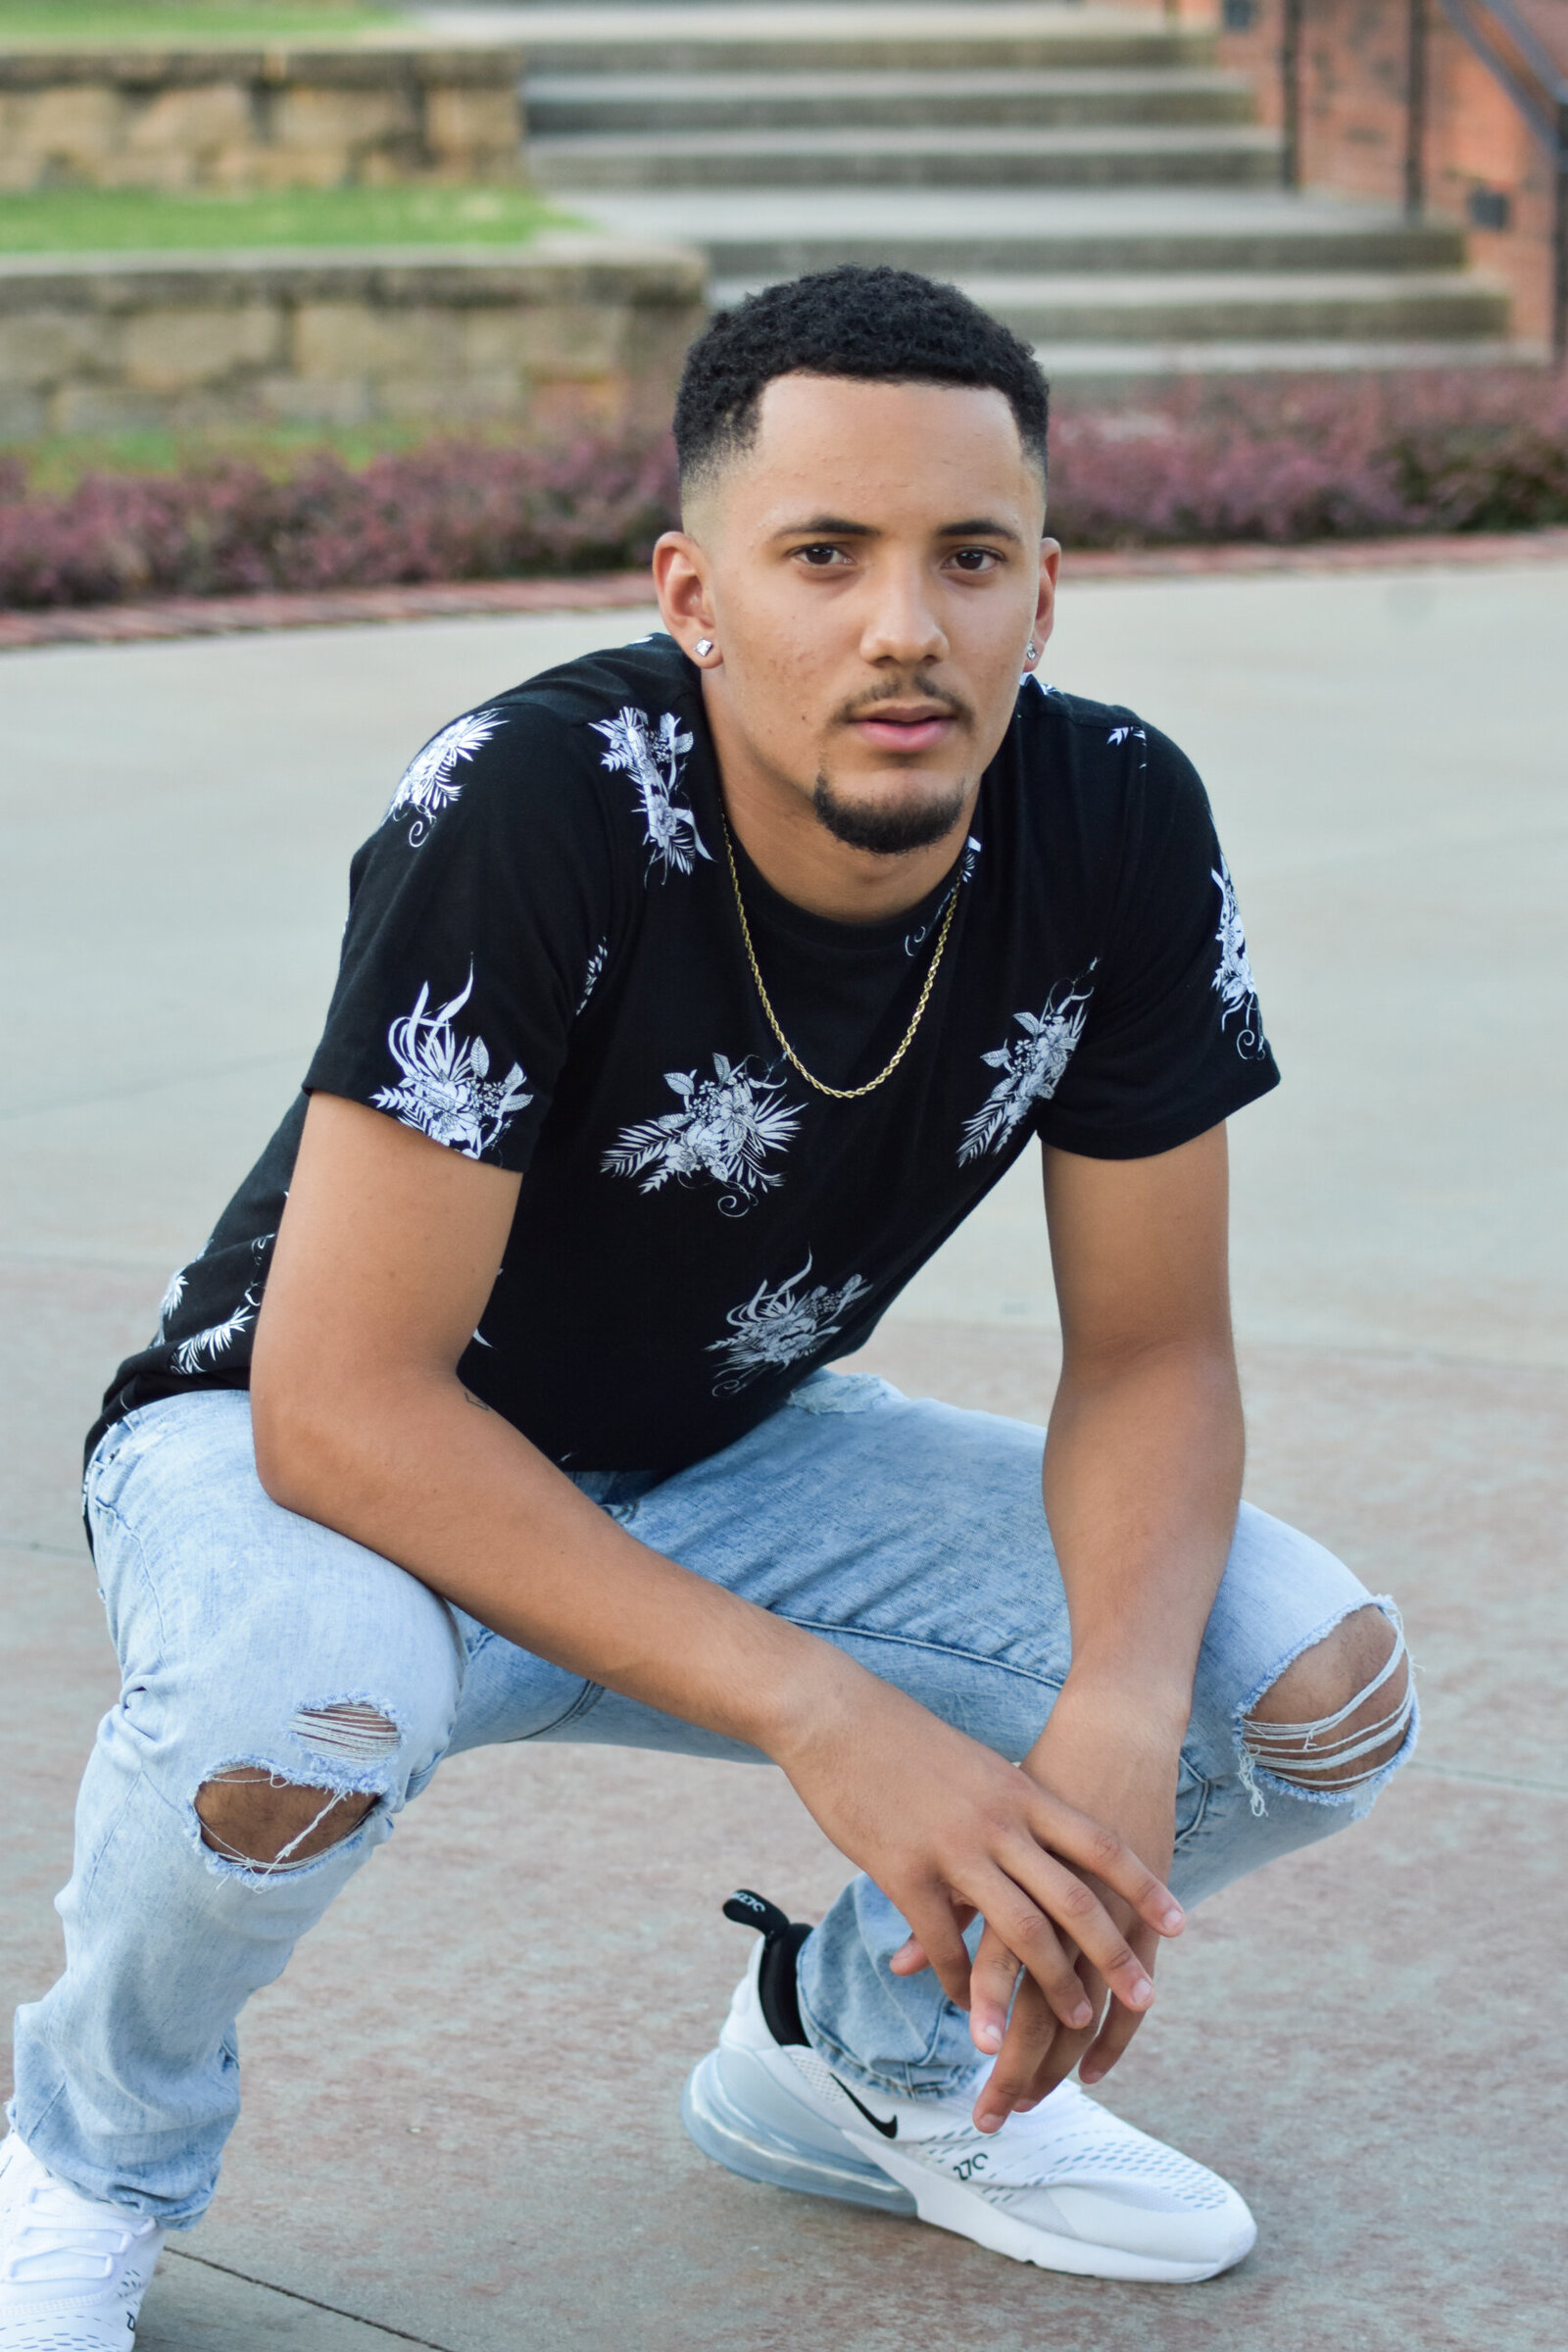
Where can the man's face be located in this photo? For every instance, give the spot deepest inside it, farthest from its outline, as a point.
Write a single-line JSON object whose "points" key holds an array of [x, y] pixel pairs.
{"points": [[873, 567]]}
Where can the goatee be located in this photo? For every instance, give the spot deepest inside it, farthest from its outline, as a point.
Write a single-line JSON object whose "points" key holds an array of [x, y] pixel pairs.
{"points": [[888, 832]]}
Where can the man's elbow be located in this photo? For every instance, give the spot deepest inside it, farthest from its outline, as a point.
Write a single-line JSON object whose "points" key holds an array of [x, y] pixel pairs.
{"points": [[312, 1419], [324, 1428], [294, 1437], [1198, 1354]]}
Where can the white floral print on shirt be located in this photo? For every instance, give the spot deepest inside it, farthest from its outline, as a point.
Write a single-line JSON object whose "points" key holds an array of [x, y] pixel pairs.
{"points": [[218, 1339], [1032, 1067], [590, 978], [725, 1129], [169, 1304], [777, 1327], [431, 782], [914, 941], [446, 1090], [1233, 974], [653, 755]]}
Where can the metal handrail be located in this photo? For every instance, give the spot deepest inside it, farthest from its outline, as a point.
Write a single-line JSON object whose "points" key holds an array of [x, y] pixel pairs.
{"points": [[1517, 60], [1531, 77], [1495, 32], [1291, 92]]}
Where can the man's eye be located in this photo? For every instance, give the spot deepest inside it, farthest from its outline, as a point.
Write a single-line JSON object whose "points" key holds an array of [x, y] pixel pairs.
{"points": [[822, 556], [976, 559]]}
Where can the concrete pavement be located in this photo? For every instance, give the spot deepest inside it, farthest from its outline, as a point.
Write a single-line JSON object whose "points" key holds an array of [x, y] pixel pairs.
{"points": [[460, 2123]]}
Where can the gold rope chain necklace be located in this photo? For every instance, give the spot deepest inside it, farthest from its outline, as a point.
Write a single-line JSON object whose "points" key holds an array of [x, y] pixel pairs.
{"points": [[839, 1094]]}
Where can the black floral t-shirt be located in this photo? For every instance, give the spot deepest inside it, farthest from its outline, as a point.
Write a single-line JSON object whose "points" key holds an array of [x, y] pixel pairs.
{"points": [[544, 969]]}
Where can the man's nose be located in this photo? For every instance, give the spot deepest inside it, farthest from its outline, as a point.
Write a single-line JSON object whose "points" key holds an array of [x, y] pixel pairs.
{"points": [[902, 625]]}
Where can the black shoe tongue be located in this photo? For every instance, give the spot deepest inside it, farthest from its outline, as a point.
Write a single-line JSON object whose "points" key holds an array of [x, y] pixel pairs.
{"points": [[782, 1938]]}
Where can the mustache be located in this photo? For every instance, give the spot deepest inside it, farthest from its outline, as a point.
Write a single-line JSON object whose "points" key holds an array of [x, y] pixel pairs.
{"points": [[918, 689]]}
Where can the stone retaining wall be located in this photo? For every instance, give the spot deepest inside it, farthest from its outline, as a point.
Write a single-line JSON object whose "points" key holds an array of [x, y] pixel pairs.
{"points": [[257, 118], [569, 327]]}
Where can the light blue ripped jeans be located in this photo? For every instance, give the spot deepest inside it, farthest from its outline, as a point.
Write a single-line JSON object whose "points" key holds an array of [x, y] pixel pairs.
{"points": [[909, 1534]]}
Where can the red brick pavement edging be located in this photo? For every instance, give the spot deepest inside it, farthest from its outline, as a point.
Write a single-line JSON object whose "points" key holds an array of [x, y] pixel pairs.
{"points": [[332, 607], [220, 615]]}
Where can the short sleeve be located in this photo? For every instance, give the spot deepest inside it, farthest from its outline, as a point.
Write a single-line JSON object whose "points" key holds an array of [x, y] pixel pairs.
{"points": [[1173, 1041], [480, 910]]}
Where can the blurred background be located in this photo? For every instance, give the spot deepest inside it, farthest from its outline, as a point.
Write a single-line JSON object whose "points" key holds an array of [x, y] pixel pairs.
{"points": [[280, 278]]}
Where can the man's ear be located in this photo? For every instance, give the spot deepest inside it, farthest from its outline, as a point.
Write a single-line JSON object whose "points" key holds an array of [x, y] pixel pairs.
{"points": [[1046, 607], [681, 579]]}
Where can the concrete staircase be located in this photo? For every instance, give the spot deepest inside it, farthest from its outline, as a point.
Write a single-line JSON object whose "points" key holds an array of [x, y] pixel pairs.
{"points": [[1086, 173]]}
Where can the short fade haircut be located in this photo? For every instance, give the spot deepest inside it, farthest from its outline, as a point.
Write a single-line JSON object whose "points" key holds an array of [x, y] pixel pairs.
{"points": [[880, 326]]}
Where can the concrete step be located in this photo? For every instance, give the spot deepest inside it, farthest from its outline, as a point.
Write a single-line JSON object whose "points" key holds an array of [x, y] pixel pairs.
{"points": [[760, 236], [1197, 308], [1092, 370], [768, 38], [560, 103], [1085, 172], [1016, 159]]}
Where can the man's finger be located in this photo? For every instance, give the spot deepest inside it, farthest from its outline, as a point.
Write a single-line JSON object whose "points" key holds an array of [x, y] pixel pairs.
{"points": [[992, 1981], [1032, 2039], [1077, 1912], [910, 1958], [936, 1934], [1062, 1829], [1028, 1934], [1119, 2025], [1110, 2043], [1063, 2056]]}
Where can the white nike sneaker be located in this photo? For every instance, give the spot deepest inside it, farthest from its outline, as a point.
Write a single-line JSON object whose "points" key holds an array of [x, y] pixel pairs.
{"points": [[1069, 2186], [73, 2271]]}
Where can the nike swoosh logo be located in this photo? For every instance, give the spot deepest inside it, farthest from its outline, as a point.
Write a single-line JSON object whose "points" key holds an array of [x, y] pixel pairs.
{"points": [[889, 2129]]}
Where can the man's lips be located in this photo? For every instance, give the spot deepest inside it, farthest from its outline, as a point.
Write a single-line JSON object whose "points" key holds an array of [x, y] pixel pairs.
{"points": [[917, 730]]}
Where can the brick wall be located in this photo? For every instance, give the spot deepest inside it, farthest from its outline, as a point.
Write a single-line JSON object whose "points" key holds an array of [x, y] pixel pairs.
{"points": [[1483, 165], [581, 328], [258, 118]]}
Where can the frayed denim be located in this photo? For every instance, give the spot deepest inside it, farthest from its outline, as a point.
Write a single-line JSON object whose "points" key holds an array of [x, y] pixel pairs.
{"points": [[250, 1640]]}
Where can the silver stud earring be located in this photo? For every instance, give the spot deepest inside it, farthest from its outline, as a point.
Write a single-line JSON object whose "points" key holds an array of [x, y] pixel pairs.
{"points": [[703, 647], [1031, 651]]}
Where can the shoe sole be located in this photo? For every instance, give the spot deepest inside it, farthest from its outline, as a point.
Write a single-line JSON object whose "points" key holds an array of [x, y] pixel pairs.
{"points": [[760, 2146], [732, 2110]]}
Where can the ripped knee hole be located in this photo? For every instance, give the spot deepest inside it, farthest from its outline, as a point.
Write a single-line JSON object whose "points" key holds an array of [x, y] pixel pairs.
{"points": [[1346, 1746], [265, 1820], [262, 1821]]}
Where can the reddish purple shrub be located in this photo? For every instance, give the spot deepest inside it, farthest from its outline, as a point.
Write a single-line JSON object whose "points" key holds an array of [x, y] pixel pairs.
{"points": [[1324, 458], [1282, 460], [451, 511]]}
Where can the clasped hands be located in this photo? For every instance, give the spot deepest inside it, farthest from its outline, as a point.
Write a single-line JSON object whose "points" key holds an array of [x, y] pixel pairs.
{"points": [[1063, 1856]]}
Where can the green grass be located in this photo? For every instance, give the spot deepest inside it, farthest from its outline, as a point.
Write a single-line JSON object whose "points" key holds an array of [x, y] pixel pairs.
{"points": [[58, 464], [50, 23], [122, 220]]}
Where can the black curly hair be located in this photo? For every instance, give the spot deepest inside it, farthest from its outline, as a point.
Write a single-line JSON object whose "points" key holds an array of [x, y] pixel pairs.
{"points": [[881, 326]]}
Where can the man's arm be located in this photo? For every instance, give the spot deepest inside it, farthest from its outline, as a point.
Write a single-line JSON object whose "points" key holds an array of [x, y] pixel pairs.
{"points": [[385, 1258], [1142, 1477]]}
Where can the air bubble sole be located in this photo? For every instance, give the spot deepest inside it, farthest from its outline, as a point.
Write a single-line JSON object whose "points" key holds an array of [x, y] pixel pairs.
{"points": [[759, 2140]]}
